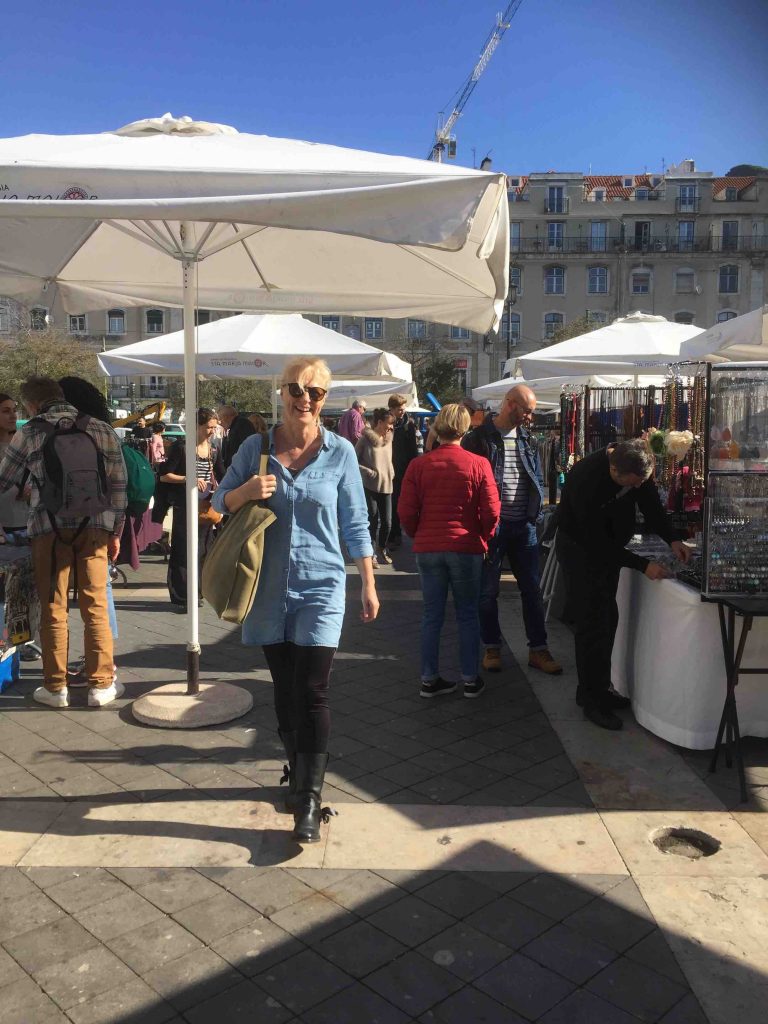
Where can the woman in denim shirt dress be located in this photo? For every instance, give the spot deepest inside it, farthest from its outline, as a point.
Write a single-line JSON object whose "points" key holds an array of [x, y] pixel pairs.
{"points": [[314, 489]]}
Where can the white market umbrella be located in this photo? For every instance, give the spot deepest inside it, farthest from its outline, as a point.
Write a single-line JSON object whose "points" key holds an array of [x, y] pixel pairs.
{"points": [[626, 347], [549, 389], [171, 211], [376, 393], [743, 339], [256, 347]]}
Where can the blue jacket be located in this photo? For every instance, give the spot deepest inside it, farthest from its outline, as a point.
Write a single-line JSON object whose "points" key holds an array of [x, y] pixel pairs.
{"points": [[301, 592], [487, 441]]}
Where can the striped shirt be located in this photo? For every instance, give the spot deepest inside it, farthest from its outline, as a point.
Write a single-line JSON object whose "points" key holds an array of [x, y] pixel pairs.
{"points": [[25, 452], [516, 483]]}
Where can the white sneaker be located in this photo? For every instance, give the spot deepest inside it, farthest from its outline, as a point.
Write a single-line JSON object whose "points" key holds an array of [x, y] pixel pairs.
{"points": [[98, 698], [60, 699], [76, 674]]}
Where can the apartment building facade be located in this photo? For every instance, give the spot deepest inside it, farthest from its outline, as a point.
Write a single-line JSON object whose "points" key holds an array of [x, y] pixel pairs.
{"points": [[685, 245]]}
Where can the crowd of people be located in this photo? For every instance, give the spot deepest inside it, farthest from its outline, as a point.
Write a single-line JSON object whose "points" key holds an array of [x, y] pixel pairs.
{"points": [[470, 502]]}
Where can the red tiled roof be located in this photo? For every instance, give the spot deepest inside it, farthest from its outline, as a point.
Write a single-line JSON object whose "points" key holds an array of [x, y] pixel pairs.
{"points": [[523, 182], [718, 184]]}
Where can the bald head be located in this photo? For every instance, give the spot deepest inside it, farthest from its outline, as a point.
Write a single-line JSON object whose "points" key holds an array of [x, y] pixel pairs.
{"points": [[517, 408]]}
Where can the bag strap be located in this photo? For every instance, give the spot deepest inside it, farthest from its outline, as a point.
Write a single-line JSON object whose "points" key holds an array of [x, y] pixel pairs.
{"points": [[264, 461]]}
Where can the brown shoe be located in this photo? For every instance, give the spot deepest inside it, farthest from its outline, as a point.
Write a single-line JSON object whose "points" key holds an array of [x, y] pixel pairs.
{"points": [[544, 661], [492, 659]]}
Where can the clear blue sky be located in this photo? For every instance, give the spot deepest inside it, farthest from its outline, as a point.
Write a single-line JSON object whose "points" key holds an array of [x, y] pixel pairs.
{"points": [[614, 86]]}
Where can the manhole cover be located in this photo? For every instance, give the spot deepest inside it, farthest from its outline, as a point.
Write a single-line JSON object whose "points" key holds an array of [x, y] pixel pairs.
{"points": [[685, 842]]}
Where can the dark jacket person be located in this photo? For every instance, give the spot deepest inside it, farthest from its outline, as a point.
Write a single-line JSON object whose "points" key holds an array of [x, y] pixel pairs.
{"points": [[597, 512], [237, 427]]}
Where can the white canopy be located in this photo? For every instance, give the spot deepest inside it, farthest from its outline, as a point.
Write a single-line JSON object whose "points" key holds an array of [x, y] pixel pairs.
{"points": [[255, 346], [549, 389], [274, 225], [625, 347], [343, 393], [744, 339]]}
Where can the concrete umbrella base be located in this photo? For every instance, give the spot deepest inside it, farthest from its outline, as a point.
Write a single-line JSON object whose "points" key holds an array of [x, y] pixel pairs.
{"points": [[170, 707]]}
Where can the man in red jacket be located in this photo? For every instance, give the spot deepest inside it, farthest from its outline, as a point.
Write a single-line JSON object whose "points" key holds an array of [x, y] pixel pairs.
{"points": [[449, 504]]}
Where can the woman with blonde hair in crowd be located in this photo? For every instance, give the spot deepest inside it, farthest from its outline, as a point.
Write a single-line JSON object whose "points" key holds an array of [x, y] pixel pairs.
{"points": [[449, 504], [313, 486], [374, 454]]}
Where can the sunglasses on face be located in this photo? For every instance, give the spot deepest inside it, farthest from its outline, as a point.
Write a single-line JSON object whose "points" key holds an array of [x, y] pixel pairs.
{"points": [[297, 391]]}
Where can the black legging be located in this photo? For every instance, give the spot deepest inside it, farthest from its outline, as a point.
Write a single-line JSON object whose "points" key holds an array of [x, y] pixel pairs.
{"points": [[379, 516], [177, 562], [301, 677]]}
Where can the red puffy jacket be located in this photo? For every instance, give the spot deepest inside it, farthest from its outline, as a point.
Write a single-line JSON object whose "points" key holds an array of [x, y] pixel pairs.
{"points": [[449, 501]]}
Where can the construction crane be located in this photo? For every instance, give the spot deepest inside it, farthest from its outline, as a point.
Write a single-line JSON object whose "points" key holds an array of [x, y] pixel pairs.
{"points": [[445, 142]]}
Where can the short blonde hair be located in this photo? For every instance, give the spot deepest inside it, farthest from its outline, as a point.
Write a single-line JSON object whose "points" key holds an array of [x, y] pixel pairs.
{"points": [[451, 422], [296, 368]]}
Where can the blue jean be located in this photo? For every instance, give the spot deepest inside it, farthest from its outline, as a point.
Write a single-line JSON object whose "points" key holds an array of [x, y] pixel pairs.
{"points": [[519, 543], [440, 570]]}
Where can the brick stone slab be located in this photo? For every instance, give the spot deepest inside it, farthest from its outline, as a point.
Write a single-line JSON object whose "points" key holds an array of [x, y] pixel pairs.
{"points": [[471, 1005], [413, 983], [83, 976], [122, 914], [255, 949], [23, 1002], [355, 1005], [132, 1003], [411, 920], [217, 916], [360, 949], [303, 981], [362, 891], [193, 978], [582, 1007], [23, 915], [525, 986], [575, 956], [246, 1003], [510, 922], [313, 919], [152, 945], [87, 890], [636, 989], [464, 951], [49, 944], [458, 894]]}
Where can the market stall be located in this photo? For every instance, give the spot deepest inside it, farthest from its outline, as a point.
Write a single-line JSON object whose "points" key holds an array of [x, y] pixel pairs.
{"points": [[19, 608]]}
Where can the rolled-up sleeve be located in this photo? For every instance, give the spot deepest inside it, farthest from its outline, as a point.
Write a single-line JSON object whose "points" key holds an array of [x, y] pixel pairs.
{"points": [[244, 465], [352, 509]]}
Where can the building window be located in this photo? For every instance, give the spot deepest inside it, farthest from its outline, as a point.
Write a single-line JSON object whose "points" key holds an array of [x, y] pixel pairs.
{"points": [[155, 321], [5, 319], [331, 323], [685, 235], [597, 316], [598, 235], [514, 236], [554, 280], [555, 234], [116, 321], [552, 322], [685, 281], [459, 334], [641, 193], [730, 235], [202, 316], [556, 199], [352, 331], [510, 329], [597, 280], [78, 324], [641, 282], [599, 195], [683, 318], [516, 279], [728, 279], [731, 194], [628, 182], [37, 318], [417, 330], [374, 328], [725, 314], [655, 180], [688, 197]]}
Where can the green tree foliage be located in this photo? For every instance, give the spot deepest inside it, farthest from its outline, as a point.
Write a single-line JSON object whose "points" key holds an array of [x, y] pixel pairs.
{"points": [[245, 395], [572, 330], [47, 353], [746, 170], [432, 370]]}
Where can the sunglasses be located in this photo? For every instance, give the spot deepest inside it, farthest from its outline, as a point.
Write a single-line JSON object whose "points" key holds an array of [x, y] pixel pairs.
{"points": [[297, 391]]}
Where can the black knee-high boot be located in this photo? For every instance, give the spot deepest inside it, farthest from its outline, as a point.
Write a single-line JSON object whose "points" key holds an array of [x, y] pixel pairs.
{"points": [[289, 769], [310, 773]]}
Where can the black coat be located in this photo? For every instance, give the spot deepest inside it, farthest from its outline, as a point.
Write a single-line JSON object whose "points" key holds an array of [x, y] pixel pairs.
{"points": [[237, 433]]}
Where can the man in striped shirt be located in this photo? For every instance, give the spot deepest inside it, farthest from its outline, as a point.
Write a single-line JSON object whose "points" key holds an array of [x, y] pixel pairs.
{"points": [[506, 443], [60, 545]]}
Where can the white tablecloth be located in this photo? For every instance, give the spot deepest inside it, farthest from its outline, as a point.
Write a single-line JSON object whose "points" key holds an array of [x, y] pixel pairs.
{"points": [[668, 657]]}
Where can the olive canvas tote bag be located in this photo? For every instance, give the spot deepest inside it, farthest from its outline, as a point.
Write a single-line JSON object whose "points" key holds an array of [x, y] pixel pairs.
{"points": [[232, 567]]}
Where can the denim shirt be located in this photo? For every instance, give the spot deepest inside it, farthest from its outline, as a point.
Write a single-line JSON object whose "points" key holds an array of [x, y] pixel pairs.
{"points": [[487, 441], [301, 592]]}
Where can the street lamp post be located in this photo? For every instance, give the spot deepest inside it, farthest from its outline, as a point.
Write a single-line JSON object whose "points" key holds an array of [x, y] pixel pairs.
{"points": [[511, 301]]}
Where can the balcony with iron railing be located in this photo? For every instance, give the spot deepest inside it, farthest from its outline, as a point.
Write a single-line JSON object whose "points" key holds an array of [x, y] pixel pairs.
{"points": [[154, 391], [557, 204], [687, 204], [586, 246]]}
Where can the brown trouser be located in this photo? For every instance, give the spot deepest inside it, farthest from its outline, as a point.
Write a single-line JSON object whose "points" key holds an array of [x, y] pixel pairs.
{"points": [[87, 556]]}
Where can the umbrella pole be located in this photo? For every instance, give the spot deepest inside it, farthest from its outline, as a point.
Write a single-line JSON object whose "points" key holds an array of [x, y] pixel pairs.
{"points": [[274, 401], [212, 703], [190, 428]]}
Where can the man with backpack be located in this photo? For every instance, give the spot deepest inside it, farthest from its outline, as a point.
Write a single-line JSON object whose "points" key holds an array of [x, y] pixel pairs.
{"points": [[77, 475]]}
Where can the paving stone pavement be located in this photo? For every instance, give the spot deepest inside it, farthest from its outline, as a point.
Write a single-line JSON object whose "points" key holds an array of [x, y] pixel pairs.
{"points": [[320, 946]]}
